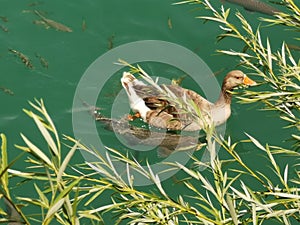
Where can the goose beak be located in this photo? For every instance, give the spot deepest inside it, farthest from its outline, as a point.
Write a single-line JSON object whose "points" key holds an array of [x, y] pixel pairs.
{"points": [[248, 81]]}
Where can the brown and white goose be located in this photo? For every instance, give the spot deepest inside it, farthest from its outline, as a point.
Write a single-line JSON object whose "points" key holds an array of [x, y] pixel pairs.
{"points": [[150, 104]]}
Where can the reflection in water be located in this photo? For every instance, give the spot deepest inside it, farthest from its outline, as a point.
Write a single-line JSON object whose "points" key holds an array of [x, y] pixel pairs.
{"points": [[167, 142]]}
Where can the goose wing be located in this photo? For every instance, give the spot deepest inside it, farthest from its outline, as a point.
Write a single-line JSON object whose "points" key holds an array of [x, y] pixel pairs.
{"points": [[154, 99]]}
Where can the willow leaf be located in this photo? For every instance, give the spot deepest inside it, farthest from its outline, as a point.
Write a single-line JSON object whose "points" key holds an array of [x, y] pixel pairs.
{"points": [[46, 135], [67, 189], [52, 210], [45, 113], [256, 143], [3, 166], [42, 196], [36, 151], [66, 162]]}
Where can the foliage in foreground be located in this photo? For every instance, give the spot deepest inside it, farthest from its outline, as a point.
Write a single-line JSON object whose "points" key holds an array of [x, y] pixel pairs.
{"points": [[278, 70], [226, 198], [70, 195]]}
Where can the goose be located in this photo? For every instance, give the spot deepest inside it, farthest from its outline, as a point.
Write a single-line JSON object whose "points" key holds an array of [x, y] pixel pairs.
{"points": [[149, 103]]}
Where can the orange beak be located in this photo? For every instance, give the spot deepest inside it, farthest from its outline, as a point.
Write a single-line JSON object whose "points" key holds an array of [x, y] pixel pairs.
{"points": [[248, 81]]}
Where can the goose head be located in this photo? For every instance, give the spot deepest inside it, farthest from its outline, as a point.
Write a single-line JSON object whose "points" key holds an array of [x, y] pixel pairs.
{"points": [[235, 78]]}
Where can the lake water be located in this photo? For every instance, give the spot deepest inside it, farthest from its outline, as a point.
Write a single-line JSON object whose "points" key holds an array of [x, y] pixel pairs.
{"points": [[99, 27]]}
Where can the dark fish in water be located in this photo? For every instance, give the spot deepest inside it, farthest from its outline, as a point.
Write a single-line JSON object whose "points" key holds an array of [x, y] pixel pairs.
{"points": [[83, 25], [293, 47], [23, 57], [33, 4], [43, 61], [255, 6], [54, 24], [170, 23], [111, 42], [41, 23], [4, 19], [5, 29], [7, 91]]}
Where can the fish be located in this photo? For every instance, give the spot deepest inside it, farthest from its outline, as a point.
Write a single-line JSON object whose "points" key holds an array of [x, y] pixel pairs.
{"points": [[54, 24], [33, 4], [23, 57], [255, 6], [7, 91], [41, 23], [43, 61], [4, 19], [83, 25], [111, 42], [293, 47], [170, 23], [5, 29]]}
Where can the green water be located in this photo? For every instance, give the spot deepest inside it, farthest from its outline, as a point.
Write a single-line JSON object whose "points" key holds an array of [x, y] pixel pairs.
{"points": [[98, 26]]}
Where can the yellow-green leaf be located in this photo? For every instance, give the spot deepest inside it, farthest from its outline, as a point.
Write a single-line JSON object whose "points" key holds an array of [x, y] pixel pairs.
{"points": [[46, 135], [52, 210], [4, 177], [36, 151]]}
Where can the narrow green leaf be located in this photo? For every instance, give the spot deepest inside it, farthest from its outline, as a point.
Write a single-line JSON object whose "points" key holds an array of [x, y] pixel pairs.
{"points": [[38, 108], [48, 118], [91, 199], [156, 180], [52, 210], [46, 136], [269, 54], [36, 151], [284, 195], [283, 47], [42, 196], [254, 214], [88, 215], [100, 209], [232, 210], [286, 172], [67, 189], [66, 161], [3, 166], [211, 18], [76, 201], [256, 143]]}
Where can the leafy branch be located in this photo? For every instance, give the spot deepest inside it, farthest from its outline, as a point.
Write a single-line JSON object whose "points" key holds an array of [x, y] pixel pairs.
{"points": [[291, 19], [279, 70]]}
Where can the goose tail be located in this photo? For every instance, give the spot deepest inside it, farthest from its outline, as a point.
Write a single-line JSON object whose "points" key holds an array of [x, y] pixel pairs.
{"points": [[137, 104]]}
